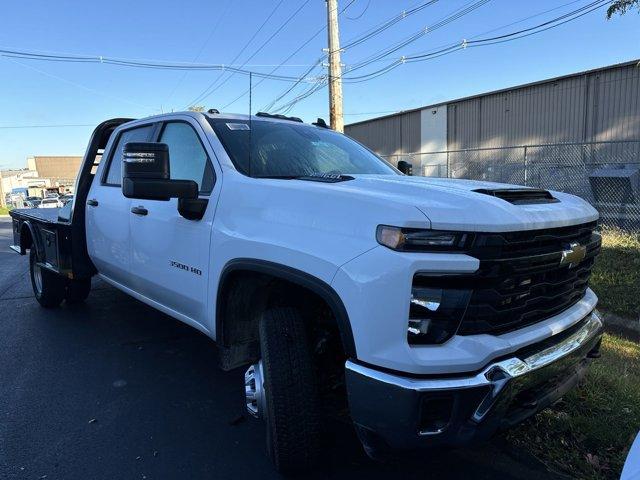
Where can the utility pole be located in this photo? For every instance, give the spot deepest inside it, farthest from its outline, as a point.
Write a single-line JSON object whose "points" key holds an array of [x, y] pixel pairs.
{"points": [[335, 68]]}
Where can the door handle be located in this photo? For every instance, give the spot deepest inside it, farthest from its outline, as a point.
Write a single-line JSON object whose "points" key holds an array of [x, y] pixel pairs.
{"points": [[139, 210], [92, 202]]}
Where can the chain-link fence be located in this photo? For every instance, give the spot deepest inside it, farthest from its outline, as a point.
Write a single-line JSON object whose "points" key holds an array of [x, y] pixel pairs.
{"points": [[606, 174]]}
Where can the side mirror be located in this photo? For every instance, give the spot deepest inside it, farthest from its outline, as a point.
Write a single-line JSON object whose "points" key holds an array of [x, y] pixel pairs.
{"points": [[145, 174], [405, 167]]}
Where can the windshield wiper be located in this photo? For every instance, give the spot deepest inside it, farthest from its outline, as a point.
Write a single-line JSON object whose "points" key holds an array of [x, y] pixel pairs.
{"points": [[326, 177], [279, 177], [314, 177]]}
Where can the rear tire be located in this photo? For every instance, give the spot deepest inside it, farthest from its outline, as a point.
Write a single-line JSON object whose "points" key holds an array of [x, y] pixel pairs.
{"points": [[291, 394], [48, 287], [77, 290]]}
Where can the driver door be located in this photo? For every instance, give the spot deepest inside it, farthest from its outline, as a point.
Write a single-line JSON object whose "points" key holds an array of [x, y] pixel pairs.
{"points": [[170, 254]]}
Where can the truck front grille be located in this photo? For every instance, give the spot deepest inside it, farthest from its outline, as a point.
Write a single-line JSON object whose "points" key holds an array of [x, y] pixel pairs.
{"points": [[521, 279]]}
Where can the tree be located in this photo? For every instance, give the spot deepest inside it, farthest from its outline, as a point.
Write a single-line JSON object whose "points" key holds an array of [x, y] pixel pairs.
{"points": [[621, 7], [196, 108]]}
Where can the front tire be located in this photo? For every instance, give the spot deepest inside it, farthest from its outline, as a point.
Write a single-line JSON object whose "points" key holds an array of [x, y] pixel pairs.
{"points": [[291, 400], [48, 287]]}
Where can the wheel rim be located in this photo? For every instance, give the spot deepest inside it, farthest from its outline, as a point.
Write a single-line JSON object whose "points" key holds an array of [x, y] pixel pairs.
{"points": [[254, 390], [37, 277]]}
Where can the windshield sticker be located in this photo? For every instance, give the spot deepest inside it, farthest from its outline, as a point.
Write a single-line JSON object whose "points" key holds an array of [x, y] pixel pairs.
{"points": [[238, 126]]}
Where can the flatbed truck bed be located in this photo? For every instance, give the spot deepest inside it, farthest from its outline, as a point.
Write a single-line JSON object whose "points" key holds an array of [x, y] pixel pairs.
{"points": [[50, 233], [58, 234], [48, 215]]}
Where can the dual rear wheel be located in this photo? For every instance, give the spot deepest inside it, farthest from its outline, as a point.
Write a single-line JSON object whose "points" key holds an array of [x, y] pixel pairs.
{"points": [[50, 289]]}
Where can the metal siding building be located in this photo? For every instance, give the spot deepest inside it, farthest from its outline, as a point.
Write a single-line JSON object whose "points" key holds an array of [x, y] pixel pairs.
{"points": [[390, 135], [596, 105]]}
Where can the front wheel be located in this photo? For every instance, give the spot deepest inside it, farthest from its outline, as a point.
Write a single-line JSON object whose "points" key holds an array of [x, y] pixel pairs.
{"points": [[282, 389], [48, 287]]}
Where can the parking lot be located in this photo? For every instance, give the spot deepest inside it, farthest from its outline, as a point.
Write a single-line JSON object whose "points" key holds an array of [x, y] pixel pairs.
{"points": [[115, 389]]}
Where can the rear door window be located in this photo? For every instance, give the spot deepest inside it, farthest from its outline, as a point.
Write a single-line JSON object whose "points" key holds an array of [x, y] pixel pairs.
{"points": [[139, 134]]}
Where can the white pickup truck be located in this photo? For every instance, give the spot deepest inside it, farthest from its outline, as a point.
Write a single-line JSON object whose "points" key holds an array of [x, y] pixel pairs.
{"points": [[438, 310]]}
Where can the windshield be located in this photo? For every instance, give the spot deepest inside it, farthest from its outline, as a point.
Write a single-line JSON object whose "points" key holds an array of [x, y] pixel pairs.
{"points": [[287, 149]]}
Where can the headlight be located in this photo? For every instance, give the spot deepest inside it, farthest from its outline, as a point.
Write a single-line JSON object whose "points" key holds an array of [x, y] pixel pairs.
{"points": [[435, 314], [420, 240]]}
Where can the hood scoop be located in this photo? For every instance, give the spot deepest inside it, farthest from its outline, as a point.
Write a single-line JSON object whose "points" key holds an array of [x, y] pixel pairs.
{"points": [[520, 196]]}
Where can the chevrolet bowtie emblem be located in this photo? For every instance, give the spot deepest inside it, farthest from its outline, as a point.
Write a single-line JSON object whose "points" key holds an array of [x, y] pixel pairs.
{"points": [[573, 255]]}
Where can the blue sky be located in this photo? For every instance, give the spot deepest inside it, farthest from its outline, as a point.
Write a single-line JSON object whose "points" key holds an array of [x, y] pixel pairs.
{"points": [[214, 31]]}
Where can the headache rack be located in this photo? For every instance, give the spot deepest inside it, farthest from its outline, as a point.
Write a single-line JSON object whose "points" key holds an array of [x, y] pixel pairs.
{"points": [[521, 280]]}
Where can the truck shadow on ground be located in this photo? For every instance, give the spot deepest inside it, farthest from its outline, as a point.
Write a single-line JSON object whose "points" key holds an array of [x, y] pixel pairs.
{"points": [[115, 389]]}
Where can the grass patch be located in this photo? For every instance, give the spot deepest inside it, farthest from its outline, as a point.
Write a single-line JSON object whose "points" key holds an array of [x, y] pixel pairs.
{"points": [[616, 275], [588, 433]]}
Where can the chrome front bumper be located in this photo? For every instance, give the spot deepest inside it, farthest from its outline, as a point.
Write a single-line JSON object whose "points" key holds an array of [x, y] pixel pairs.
{"points": [[502, 394]]}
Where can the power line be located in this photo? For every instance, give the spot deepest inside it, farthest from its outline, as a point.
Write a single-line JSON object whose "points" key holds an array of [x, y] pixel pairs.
{"points": [[286, 92], [447, 19], [386, 25], [528, 18], [383, 112], [304, 75], [247, 43], [208, 91], [317, 84], [320, 84], [501, 27], [455, 15], [136, 63], [358, 17], [78, 85], [370, 33], [68, 125], [597, 4], [555, 22], [200, 50], [382, 27], [539, 28]]}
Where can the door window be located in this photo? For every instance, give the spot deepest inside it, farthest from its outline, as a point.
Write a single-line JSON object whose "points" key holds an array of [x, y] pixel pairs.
{"points": [[187, 157], [140, 134]]}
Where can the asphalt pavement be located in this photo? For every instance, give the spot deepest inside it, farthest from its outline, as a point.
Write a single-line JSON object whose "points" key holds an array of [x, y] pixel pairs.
{"points": [[113, 389]]}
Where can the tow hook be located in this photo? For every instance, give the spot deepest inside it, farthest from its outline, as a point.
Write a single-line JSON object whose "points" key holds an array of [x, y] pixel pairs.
{"points": [[595, 351]]}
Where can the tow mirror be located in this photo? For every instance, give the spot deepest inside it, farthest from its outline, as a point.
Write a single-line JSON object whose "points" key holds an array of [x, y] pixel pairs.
{"points": [[405, 167], [146, 175]]}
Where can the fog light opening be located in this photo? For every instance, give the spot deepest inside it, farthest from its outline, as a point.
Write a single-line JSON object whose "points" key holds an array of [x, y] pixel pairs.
{"points": [[435, 415], [418, 326], [434, 314]]}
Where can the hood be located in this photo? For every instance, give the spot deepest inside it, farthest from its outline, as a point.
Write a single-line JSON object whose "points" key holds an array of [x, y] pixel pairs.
{"points": [[454, 205]]}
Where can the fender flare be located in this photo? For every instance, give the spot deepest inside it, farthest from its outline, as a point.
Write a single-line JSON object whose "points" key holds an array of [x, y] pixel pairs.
{"points": [[298, 277], [35, 238]]}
